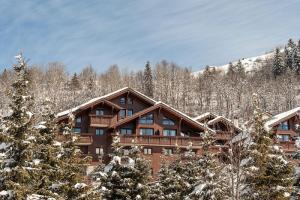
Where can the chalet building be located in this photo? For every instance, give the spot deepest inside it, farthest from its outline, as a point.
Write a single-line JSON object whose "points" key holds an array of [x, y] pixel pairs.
{"points": [[224, 128], [155, 126], [285, 125]]}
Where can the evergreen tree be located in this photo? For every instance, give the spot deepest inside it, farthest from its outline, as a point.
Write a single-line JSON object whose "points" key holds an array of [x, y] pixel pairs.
{"points": [[18, 171], [75, 84], [147, 80], [288, 59], [177, 179], [269, 174], [240, 69], [213, 182], [231, 72], [296, 59], [278, 67], [126, 176]]}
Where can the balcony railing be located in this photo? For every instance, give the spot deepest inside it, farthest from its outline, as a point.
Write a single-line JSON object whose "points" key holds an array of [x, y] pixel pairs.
{"points": [[81, 141], [101, 121], [222, 135], [155, 140], [288, 146]]}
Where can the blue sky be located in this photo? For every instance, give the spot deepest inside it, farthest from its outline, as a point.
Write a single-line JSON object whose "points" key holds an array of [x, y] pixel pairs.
{"points": [[130, 32]]}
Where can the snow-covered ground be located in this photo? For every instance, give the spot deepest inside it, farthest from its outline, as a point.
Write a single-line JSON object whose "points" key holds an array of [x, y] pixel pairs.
{"points": [[250, 64]]}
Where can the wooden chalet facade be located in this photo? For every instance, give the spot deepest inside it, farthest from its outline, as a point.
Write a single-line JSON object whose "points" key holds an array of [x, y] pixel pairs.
{"points": [[285, 126], [155, 126], [224, 128]]}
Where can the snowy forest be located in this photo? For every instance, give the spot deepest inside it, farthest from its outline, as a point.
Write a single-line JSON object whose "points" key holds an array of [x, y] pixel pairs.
{"points": [[276, 82], [35, 166]]}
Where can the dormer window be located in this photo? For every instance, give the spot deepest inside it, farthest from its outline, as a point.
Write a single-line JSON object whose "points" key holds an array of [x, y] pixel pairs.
{"points": [[167, 121], [122, 100], [99, 112], [284, 126]]}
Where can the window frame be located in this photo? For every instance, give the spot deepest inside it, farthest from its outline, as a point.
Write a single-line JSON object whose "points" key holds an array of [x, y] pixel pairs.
{"points": [[146, 119], [122, 116], [127, 111], [147, 151], [126, 131], [100, 130], [284, 126], [146, 130], [168, 122], [100, 110], [76, 132], [168, 151], [122, 100], [169, 131], [99, 151]]}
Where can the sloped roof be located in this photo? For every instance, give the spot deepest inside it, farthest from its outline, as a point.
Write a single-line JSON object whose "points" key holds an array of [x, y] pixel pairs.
{"points": [[106, 97], [205, 116], [169, 108], [223, 119], [281, 117]]}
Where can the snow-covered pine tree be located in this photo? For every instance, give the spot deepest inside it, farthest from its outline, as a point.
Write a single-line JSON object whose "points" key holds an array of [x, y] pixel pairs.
{"points": [[72, 184], [278, 67], [18, 171], [127, 174], [296, 59], [147, 80], [213, 182], [269, 175], [75, 84], [177, 178]]}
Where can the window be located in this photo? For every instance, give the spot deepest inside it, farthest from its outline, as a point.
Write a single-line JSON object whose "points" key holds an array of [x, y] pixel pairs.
{"points": [[284, 126], [78, 120], [77, 130], [126, 131], [283, 138], [99, 131], [129, 100], [122, 100], [168, 151], [99, 151], [129, 112], [146, 131], [148, 119], [99, 112], [147, 151], [122, 113], [167, 121], [169, 132]]}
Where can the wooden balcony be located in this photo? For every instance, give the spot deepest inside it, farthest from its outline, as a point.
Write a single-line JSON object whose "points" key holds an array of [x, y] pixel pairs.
{"points": [[101, 121], [222, 135], [288, 146], [82, 140], [155, 140]]}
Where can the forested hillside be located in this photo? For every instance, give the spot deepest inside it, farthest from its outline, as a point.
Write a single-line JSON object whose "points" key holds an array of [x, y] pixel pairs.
{"points": [[275, 79]]}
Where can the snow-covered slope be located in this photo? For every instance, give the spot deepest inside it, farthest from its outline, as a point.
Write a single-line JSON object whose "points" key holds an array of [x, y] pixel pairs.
{"points": [[249, 63]]}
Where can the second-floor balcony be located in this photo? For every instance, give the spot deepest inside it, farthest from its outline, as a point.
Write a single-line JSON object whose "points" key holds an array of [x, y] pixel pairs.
{"points": [[154, 140], [82, 140], [100, 121]]}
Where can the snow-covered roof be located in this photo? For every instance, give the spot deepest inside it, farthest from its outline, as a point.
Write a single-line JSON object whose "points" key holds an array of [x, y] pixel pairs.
{"points": [[277, 119], [66, 112], [204, 116], [221, 118]]}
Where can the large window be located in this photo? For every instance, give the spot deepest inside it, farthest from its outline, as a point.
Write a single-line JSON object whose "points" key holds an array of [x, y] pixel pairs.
{"points": [[169, 132], [146, 131], [167, 121], [122, 100], [147, 119], [284, 126], [126, 131], [129, 112], [122, 113], [283, 138], [99, 131], [77, 130], [99, 112]]}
